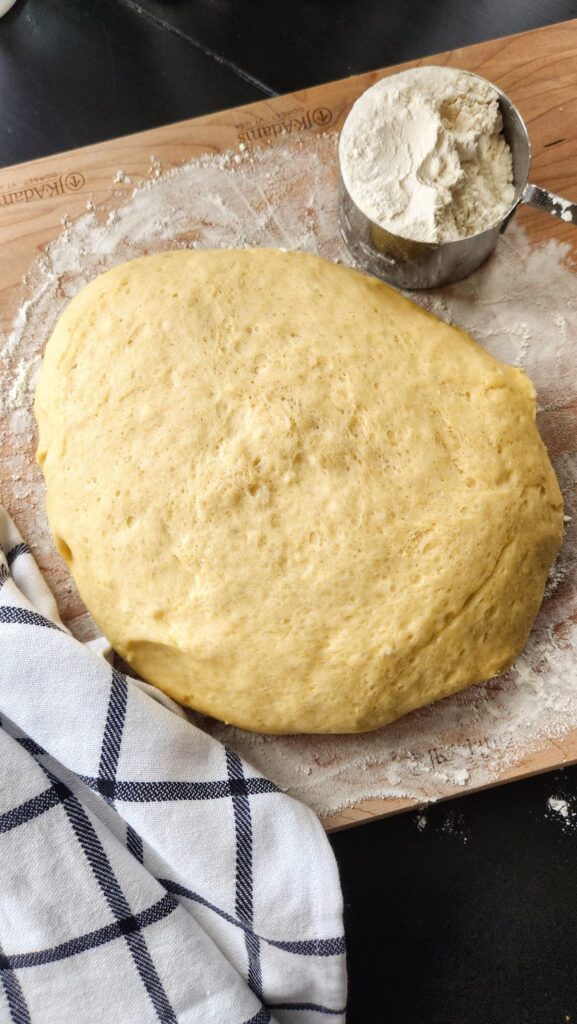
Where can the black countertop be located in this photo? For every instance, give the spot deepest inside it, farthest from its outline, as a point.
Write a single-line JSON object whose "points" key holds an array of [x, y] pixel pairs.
{"points": [[470, 919]]}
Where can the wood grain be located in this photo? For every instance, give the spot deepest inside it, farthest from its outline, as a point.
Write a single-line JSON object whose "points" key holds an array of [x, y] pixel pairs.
{"points": [[537, 69]]}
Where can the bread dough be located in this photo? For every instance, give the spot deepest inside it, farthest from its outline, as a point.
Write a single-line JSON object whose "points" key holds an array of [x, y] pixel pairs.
{"points": [[289, 496]]}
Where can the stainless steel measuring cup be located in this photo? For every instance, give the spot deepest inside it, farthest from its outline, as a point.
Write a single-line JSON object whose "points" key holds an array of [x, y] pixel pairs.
{"points": [[410, 264]]}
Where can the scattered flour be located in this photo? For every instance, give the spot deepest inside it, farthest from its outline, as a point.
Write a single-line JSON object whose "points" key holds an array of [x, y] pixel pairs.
{"points": [[121, 177], [564, 812], [155, 168], [521, 305], [559, 806], [454, 826]]}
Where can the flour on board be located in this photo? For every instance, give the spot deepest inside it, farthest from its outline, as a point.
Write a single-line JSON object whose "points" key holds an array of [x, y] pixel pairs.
{"points": [[521, 305]]}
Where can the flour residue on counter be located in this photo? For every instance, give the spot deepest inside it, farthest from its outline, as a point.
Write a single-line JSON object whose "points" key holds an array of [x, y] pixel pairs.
{"points": [[521, 305]]}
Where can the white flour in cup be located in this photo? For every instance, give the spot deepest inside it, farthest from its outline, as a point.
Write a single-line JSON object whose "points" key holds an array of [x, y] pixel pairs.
{"points": [[423, 155]]}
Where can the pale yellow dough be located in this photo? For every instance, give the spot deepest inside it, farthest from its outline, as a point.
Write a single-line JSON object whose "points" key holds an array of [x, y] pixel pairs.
{"points": [[289, 497]]}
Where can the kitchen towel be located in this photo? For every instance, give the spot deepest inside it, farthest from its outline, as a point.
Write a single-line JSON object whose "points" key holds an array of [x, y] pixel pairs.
{"points": [[5, 6], [147, 872]]}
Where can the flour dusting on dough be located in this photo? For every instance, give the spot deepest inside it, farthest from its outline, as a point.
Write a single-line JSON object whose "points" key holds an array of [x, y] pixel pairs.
{"points": [[522, 306]]}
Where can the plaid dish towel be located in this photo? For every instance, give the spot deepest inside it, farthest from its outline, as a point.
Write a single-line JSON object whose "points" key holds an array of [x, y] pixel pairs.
{"points": [[147, 873]]}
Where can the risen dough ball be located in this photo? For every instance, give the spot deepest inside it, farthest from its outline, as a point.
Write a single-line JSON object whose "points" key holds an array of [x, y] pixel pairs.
{"points": [[289, 497]]}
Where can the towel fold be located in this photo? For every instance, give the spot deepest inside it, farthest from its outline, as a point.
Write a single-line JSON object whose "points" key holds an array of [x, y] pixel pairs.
{"points": [[147, 872]]}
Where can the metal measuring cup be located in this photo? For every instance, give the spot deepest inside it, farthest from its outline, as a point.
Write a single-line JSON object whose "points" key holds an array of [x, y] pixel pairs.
{"points": [[414, 265]]}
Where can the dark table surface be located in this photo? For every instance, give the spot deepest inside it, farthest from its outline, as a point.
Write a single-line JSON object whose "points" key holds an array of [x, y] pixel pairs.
{"points": [[471, 919]]}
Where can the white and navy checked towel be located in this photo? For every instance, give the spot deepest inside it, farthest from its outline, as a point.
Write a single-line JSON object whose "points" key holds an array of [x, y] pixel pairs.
{"points": [[146, 872]]}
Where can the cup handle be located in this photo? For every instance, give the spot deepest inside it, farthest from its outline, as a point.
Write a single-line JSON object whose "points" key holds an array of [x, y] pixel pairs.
{"points": [[548, 202]]}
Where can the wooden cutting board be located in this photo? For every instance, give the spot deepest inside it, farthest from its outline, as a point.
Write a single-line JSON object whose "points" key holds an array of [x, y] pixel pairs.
{"points": [[538, 70]]}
